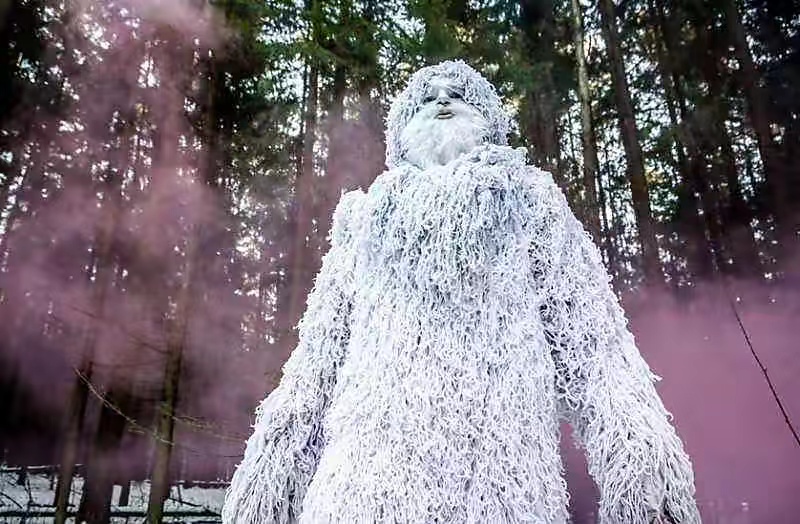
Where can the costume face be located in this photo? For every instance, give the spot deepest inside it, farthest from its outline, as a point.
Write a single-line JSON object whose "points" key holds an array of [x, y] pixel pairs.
{"points": [[444, 127], [473, 114], [446, 98]]}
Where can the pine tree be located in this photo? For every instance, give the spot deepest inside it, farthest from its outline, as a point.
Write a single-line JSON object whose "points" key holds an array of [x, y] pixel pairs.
{"points": [[633, 148]]}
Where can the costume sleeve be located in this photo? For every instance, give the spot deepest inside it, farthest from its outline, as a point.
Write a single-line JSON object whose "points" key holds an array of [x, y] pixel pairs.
{"points": [[282, 454], [605, 388]]}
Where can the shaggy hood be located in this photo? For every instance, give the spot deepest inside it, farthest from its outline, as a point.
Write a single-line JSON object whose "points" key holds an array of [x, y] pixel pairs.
{"points": [[478, 92]]}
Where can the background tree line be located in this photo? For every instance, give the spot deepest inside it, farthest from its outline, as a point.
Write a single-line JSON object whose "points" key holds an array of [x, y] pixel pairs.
{"points": [[168, 173]]}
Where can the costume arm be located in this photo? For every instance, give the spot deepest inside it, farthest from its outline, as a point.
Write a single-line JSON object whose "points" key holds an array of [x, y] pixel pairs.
{"points": [[282, 454], [606, 389]]}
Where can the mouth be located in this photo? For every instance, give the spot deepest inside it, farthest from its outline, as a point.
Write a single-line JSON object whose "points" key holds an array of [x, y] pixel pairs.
{"points": [[444, 114]]}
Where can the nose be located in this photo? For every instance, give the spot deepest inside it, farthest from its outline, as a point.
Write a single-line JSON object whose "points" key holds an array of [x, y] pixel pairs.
{"points": [[442, 98]]}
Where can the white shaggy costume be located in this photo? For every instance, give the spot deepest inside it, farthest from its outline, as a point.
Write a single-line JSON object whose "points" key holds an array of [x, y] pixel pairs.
{"points": [[460, 314]]}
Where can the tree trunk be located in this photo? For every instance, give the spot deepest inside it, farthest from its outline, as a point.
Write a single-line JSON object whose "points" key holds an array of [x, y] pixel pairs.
{"points": [[176, 340], [9, 392], [541, 115], [99, 478], [262, 324], [633, 148], [727, 219], [611, 223], [33, 177], [177, 326], [736, 215], [84, 373], [693, 218], [757, 108], [337, 166], [69, 453], [606, 238], [101, 468], [299, 278], [371, 115], [669, 79], [124, 493], [588, 140], [371, 119]]}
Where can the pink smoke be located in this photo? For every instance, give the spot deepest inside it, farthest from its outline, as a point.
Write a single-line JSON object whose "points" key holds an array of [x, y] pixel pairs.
{"points": [[743, 452]]}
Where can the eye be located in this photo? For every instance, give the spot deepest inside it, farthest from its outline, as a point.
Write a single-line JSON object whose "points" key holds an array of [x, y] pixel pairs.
{"points": [[456, 95], [428, 99]]}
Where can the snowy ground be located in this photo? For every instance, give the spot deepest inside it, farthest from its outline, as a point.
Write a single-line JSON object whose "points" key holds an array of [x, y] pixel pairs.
{"points": [[201, 503], [32, 502]]}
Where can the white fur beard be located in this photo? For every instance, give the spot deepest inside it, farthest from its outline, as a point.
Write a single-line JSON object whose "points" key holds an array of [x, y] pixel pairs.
{"points": [[436, 142]]}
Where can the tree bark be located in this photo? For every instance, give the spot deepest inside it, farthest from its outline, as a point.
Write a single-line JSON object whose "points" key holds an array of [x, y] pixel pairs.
{"points": [[669, 78], [588, 140], [102, 467], [735, 216], [176, 340], [336, 167], [84, 373], [299, 278], [612, 229], [757, 108], [124, 493], [725, 212], [30, 181], [178, 323], [371, 115], [371, 119], [538, 29], [9, 393], [633, 148], [692, 215]]}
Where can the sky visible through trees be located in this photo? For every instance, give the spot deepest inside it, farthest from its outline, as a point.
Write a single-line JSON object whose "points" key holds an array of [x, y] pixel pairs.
{"points": [[168, 172]]}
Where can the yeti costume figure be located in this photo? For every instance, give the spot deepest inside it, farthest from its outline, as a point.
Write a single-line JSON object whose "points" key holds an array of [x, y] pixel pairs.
{"points": [[461, 313]]}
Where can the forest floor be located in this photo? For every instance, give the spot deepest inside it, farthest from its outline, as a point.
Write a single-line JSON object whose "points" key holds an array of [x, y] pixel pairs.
{"points": [[30, 499]]}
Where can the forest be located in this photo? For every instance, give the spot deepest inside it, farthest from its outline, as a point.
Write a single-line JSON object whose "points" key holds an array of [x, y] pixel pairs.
{"points": [[168, 172]]}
